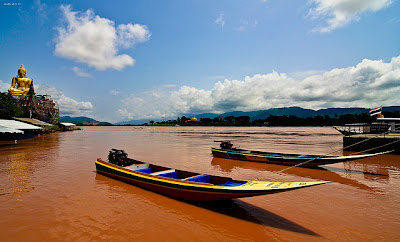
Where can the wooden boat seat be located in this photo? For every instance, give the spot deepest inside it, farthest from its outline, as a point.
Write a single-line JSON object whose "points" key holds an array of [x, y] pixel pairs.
{"points": [[204, 178], [162, 172], [167, 173], [136, 167]]}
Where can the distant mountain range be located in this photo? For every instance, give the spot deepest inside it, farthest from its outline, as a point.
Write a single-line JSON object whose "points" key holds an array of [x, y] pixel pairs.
{"points": [[295, 111], [80, 120], [68, 119], [254, 115]]}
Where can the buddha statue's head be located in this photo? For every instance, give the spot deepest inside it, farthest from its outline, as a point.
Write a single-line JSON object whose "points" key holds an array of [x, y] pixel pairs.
{"points": [[21, 71]]}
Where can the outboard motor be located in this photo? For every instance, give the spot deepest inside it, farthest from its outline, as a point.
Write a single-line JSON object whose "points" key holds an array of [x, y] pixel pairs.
{"points": [[117, 157], [227, 145]]}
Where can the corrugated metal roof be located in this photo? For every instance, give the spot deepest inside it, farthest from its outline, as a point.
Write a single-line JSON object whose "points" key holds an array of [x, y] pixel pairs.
{"points": [[68, 124], [10, 130], [17, 125], [388, 119], [33, 121]]}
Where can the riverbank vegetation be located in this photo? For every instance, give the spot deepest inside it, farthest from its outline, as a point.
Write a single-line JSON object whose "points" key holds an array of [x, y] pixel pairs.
{"points": [[285, 120], [9, 108]]}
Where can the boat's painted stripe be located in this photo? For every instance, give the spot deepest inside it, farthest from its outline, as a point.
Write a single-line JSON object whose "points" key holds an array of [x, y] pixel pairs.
{"points": [[234, 153], [221, 151], [255, 155]]}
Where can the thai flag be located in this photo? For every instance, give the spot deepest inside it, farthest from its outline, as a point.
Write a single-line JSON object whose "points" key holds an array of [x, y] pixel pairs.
{"points": [[375, 111]]}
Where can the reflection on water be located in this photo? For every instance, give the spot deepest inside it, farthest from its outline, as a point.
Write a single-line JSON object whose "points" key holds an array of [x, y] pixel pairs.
{"points": [[50, 191], [20, 163], [19, 175]]}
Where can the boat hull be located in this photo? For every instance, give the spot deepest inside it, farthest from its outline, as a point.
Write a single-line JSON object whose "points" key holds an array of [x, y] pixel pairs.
{"points": [[285, 159], [194, 191]]}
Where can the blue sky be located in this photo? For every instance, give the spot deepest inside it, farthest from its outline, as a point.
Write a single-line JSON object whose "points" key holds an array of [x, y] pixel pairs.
{"points": [[122, 60]]}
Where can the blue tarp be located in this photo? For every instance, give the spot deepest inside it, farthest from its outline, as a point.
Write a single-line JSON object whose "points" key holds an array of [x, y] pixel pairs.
{"points": [[144, 170], [172, 174], [200, 178], [232, 184]]}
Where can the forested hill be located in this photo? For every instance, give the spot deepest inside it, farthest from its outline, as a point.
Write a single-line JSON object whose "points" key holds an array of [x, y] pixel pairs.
{"points": [[81, 120], [295, 111]]}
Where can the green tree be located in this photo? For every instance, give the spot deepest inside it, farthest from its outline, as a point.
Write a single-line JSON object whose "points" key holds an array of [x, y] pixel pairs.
{"points": [[9, 108], [183, 119], [242, 120], [230, 120], [206, 121]]}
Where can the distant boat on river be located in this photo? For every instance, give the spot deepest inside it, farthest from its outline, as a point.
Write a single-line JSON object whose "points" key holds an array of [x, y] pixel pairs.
{"points": [[226, 150], [382, 126]]}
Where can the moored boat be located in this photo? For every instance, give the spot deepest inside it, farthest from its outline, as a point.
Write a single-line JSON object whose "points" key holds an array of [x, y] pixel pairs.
{"points": [[226, 150], [362, 128], [187, 185]]}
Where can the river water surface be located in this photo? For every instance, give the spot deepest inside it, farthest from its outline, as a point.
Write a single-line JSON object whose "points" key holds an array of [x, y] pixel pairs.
{"points": [[49, 189]]}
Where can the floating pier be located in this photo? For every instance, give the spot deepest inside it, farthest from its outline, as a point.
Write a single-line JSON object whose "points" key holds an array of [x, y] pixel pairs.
{"points": [[372, 143]]}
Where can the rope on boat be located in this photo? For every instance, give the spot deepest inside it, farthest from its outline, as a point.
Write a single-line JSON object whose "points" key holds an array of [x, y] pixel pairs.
{"points": [[342, 149]]}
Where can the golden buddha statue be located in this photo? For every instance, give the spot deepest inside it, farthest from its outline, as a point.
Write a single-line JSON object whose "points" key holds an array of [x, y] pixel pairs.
{"points": [[20, 84]]}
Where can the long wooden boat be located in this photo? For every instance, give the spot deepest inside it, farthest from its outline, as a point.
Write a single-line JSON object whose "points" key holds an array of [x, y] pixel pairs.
{"points": [[187, 185], [227, 151]]}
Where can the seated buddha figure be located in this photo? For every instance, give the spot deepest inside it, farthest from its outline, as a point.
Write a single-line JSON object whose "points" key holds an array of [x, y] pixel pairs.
{"points": [[20, 84]]}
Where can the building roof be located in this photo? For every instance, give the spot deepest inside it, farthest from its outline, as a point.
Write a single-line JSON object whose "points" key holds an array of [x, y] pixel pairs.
{"points": [[33, 121], [68, 124], [4, 129], [17, 125], [397, 120]]}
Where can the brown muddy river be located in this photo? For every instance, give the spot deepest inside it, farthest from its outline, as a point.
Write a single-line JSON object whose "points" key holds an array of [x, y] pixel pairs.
{"points": [[49, 189]]}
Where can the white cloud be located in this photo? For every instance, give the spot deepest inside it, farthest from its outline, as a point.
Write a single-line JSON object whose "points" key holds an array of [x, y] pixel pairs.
{"points": [[246, 24], [91, 39], [370, 83], [80, 73], [147, 105], [169, 86], [394, 20], [220, 20], [339, 13], [304, 74], [41, 11], [67, 105], [129, 34], [114, 92], [4, 86]]}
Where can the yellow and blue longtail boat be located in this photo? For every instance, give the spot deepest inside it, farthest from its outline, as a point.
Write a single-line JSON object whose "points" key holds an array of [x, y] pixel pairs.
{"points": [[187, 185]]}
